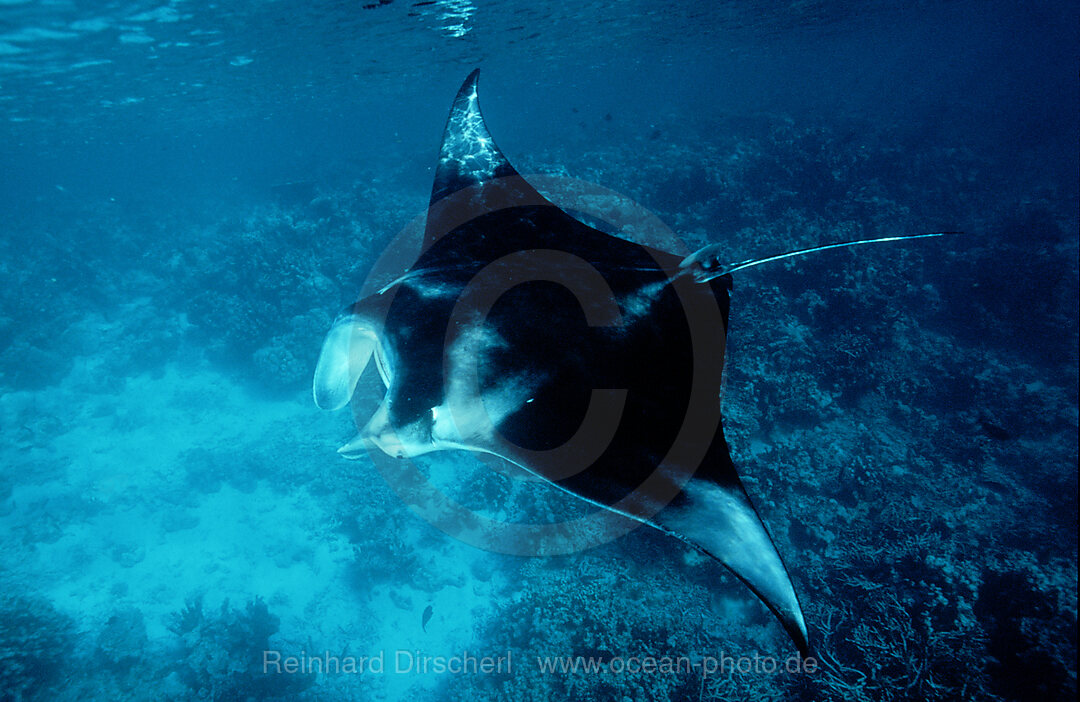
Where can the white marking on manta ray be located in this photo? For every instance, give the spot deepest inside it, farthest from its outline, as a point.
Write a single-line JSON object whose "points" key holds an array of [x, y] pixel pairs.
{"points": [[645, 295], [431, 291], [638, 305], [469, 414]]}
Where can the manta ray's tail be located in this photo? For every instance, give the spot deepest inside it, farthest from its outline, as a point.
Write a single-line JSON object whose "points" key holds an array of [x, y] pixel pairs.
{"points": [[706, 263]]}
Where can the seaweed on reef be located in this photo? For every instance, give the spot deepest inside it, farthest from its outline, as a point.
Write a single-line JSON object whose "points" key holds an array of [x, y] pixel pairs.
{"points": [[121, 643], [894, 621], [382, 560], [1013, 641], [221, 653], [36, 647], [885, 651]]}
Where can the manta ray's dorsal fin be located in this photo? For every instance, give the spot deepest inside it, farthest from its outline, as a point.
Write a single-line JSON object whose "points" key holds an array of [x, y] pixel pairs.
{"points": [[469, 158]]}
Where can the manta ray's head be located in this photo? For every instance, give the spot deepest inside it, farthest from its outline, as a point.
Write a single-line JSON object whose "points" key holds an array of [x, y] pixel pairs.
{"points": [[404, 423], [437, 397]]}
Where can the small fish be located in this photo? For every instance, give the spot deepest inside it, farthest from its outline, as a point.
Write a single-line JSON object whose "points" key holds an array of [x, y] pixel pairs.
{"points": [[425, 618]]}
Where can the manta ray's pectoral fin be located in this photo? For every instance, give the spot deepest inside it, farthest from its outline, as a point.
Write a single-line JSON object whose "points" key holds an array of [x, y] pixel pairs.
{"points": [[717, 518], [349, 345]]}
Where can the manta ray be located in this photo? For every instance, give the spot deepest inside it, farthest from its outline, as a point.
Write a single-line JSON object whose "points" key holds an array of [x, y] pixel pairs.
{"points": [[589, 361]]}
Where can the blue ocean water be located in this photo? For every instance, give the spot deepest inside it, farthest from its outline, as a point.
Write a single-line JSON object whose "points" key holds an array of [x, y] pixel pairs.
{"points": [[192, 190]]}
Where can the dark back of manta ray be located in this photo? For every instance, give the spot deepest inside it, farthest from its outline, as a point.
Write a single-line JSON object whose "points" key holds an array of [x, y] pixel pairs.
{"points": [[648, 352]]}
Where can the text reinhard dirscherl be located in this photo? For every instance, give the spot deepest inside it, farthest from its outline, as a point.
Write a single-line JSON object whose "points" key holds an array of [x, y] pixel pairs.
{"points": [[465, 663], [400, 661]]}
